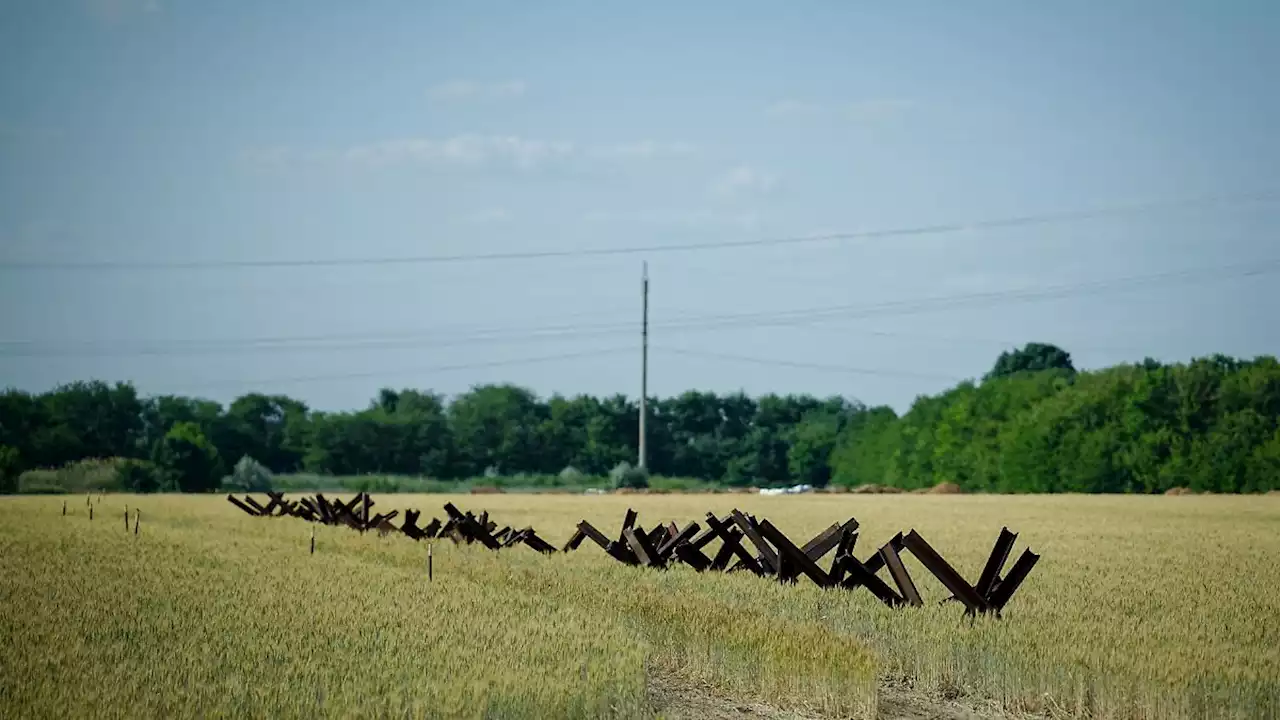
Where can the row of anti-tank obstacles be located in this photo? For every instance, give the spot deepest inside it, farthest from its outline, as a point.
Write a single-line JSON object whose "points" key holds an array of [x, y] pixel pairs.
{"points": [[460, 527], [775, 555]]}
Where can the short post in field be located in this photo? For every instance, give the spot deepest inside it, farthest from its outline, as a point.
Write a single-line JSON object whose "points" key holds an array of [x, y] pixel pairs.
{"points": [[91, 513], [137, 520], [429, 561], [313, 539], [64, 508], [126, 518]]}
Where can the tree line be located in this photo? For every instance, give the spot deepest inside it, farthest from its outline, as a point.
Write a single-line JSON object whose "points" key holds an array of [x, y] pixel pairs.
{"points": [[1032, 424]]}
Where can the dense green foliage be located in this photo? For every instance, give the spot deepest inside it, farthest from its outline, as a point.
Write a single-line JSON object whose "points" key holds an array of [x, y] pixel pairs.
{"points": [[1034, 424], [1210, 425]]}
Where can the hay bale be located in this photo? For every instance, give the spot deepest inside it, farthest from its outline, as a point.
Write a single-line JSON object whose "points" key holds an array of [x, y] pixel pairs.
{"points": [[946, 488]]}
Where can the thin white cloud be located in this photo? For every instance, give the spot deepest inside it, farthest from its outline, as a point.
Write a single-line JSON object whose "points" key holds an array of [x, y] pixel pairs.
{"points": [[462, 150], [475, 150], [458, 90], [743, 180], [471, 151]]}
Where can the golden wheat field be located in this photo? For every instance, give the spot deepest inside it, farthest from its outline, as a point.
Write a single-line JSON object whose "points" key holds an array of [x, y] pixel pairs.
{"points": [[1159, 607]]}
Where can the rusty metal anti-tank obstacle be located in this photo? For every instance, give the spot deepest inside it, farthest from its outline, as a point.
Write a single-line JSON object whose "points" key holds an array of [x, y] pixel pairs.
{"points": [[460, 527], [746, 544], [755, 545]]}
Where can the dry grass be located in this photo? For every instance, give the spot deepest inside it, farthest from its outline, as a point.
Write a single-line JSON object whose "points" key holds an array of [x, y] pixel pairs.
{"points": [[1140, 607]]}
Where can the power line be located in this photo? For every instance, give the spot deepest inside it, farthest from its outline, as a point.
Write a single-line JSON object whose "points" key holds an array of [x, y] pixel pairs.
{"points": [[417, 370], [354, 341], [703, 323], [934, 229], [907, 307], [960, 340], [806, 365]]}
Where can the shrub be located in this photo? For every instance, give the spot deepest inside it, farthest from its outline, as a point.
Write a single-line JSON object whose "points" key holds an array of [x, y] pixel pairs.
{"points": [[40, 482], [93, 475], [140, 476], [625, 476], [248, 475]]}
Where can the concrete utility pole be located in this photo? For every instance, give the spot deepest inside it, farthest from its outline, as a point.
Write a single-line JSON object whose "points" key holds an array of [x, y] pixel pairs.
{"points": [[644, 361]]}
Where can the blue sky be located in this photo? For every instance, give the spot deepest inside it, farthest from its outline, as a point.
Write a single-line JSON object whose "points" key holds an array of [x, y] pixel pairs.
{"points": [[170, 131]]}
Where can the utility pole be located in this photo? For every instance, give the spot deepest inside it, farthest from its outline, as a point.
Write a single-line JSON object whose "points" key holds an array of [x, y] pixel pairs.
{"points": [[644, 362]]}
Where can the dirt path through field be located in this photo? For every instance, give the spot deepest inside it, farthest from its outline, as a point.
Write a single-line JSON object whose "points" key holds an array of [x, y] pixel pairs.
{"points": [[676, 702]]}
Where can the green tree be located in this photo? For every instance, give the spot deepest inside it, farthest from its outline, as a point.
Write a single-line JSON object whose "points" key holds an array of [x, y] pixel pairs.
{"points": [[10, 469], [1032, 357], [763, 453], [160, 414], [497, 426], [266, 427], [187, 459], [866, 447], [425, 443], [1262, 473], [812, 444], [612, 436], [1033, 424], [72, 422]]}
